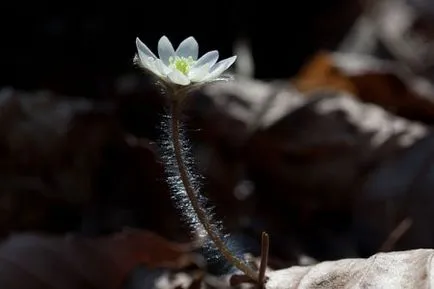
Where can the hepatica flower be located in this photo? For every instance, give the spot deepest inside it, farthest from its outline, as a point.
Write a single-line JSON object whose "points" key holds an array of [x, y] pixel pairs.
{"points": [[182, 66]]}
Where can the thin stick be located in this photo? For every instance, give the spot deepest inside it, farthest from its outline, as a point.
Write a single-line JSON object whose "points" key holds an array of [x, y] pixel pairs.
{"points": [[396, 234], [264, 258], [201, 214]]}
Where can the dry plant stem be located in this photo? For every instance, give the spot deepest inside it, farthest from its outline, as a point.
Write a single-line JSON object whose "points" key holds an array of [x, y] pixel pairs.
{"points": [[264, 258], [176, 107], [396, 234]]}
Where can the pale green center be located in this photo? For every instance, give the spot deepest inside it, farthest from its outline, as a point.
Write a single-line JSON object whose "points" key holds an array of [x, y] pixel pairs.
{"points": [[182, 64]]}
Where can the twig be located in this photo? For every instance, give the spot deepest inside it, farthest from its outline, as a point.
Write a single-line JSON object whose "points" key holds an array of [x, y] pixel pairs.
{"points": [[396, 234], [264, 258]]}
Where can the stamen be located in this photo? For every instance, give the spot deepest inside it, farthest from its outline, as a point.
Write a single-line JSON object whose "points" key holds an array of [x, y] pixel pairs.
{"points": [[181, 64]]}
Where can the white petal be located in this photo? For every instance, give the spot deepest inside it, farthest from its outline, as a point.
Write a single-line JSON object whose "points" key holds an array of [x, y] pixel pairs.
{"points": [[141, 47], [177, 77], [197, 74], [219, 68], [152, 66], [188, 47], [148, 63], [209, 58], [162, 68], [165, 49], [145, 60]]}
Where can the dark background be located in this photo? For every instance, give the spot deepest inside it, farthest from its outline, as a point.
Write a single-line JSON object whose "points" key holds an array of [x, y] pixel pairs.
{"points": [[80, 48]]}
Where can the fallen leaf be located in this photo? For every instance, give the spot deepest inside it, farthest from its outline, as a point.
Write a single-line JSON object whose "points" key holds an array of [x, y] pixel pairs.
{"points": [[316, 155], [384, 83], [320, 73], [406, 269], [36, 261]]}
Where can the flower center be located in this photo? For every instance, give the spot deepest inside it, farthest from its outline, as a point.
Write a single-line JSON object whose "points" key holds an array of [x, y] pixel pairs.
{"points": [[182, 64]]}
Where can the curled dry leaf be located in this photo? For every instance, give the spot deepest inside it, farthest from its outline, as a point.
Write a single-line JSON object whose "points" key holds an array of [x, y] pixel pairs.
{"points": [[406, 269], [35, 261], [322, 158], [385, 83]]}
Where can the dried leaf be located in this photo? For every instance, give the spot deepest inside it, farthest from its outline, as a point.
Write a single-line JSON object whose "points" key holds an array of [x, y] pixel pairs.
{"points": [[407, 269], [318, 155], [69, 163], [384, 83], [36, 261], [320, 73]]}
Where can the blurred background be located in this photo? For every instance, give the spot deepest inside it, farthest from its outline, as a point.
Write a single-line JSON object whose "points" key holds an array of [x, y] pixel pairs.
{"points": [[82, 48], [323, 139]]}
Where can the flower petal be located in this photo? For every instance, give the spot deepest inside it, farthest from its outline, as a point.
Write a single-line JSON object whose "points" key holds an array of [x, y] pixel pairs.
{"points": [[147, 58], [188, 47], [162, 68], [209, 58], [145, 61], [219, 68], [165, 49], [197, 74], [177, 77], [153, 67], [141, 47]]}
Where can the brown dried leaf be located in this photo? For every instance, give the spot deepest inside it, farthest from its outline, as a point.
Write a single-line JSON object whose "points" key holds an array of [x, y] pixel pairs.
{"points": [[320, 73], [36, 261], [384, 83], [328, 156]]}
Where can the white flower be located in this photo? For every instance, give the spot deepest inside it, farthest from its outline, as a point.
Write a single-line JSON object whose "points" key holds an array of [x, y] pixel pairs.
{"points": [[181, 66]]}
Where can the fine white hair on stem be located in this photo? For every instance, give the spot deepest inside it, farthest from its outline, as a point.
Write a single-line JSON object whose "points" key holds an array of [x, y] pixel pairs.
{"points": [[179, 195]]}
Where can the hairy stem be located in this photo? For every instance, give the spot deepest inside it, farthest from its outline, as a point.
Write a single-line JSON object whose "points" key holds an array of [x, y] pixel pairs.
{"points": [[200, 212]]}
